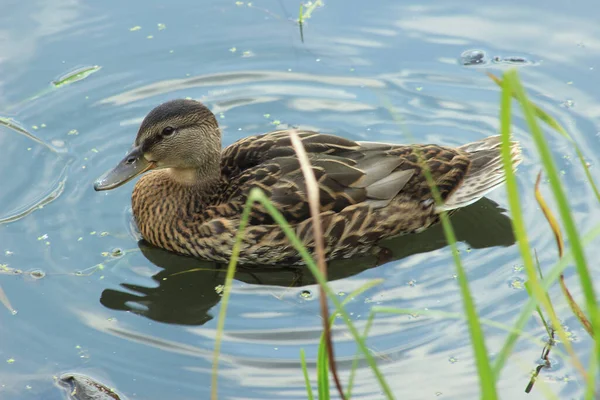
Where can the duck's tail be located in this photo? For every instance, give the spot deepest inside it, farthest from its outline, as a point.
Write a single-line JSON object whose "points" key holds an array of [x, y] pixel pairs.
{"points": [[486, 171]]}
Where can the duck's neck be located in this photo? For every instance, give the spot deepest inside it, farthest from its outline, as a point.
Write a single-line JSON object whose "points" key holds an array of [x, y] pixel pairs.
{"points": [[164, 199], [193, 178]]}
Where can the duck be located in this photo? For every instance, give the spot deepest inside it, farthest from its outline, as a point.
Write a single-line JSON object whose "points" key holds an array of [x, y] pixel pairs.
{"points": [[192, 192]]}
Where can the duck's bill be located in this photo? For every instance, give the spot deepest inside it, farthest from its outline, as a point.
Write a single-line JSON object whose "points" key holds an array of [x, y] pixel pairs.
{"points": [[132, 165]]}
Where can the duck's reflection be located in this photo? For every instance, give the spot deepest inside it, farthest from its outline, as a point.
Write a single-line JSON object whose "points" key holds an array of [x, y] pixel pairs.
{"points": [[186, 286]]}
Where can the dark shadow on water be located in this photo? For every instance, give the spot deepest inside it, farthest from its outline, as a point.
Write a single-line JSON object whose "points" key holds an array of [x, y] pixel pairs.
{"points": [[186, 290]]}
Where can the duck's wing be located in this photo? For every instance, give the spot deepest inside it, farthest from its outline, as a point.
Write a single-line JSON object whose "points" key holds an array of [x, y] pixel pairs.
{"points": [[347, 172], [252, 151]]}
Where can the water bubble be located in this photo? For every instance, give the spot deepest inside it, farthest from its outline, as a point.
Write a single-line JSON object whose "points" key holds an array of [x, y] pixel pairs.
{"points": [[568, 103], [473, 57]]}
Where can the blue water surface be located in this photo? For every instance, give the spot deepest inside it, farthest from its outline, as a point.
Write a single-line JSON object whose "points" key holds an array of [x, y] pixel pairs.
{"points": [[89, 299]]}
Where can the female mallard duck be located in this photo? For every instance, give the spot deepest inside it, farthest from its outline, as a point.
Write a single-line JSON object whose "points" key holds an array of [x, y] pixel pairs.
{"points": [[192, 200]]}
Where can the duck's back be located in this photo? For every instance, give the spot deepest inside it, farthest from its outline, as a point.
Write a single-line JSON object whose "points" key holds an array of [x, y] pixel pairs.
{"points": [[368, 192]]}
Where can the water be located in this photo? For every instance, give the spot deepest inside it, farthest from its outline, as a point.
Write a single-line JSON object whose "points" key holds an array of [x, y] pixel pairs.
{"points": [[144, 321]]}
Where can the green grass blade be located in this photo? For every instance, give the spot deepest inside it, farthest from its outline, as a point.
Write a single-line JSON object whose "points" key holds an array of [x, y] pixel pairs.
{"points": [[486, 377], [322, 353], [350, 384], [562, 203], [552, 123], [256, 195], [534, 283], [323, 370], [590, 392], [559, 194], [550, 278], [226, 294], [309, 392]]}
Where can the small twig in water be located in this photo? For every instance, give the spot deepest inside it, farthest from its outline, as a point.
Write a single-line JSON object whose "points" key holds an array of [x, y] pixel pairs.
{"points": [[545, 354]]}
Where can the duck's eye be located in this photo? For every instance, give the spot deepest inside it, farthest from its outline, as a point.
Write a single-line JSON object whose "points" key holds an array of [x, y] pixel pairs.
{"points": [[168, 131]]}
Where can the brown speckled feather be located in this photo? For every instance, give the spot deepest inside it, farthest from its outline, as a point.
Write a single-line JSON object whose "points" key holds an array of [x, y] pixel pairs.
{"points": [[368, 192]]}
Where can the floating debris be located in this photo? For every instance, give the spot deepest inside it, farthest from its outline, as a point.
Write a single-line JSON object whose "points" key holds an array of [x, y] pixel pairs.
{"points": [[517, 284], [511, 60], [306, 294], [117, 253], [5, 269], [82, 387], [472, 58], [161, 27], [76, 75], [135, 28], [37, 274], [518, 268]]}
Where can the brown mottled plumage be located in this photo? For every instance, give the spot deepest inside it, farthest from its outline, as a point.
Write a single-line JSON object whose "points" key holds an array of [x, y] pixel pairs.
{"points": [[192, 202]]}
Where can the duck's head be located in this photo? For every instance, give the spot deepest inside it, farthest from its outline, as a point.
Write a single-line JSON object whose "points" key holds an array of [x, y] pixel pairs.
{"points": [[181, 135]]}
